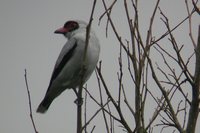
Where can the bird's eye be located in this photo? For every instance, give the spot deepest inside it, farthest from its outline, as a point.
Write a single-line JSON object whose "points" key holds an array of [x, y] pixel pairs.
{"points": [[73, 24]]}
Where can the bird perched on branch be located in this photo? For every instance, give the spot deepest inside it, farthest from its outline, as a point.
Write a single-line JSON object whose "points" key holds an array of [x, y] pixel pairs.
{"points": [[67, 70]]}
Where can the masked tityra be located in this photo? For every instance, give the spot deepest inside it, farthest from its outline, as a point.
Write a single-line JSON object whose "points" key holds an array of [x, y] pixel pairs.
{"points": [[66, 73]]}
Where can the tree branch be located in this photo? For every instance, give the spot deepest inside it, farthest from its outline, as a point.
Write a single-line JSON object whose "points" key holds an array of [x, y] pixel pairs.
{"points": [[194, 108], [29, 100], [79, 94]]}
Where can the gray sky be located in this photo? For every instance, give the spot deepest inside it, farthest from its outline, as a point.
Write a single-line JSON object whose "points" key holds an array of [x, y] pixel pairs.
{"points": [[27, 41]]}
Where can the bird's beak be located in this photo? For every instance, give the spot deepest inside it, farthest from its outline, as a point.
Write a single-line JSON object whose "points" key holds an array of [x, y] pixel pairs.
{"points": [[61, 31]]}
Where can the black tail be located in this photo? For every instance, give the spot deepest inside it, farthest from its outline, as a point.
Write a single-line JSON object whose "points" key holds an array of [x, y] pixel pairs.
{"points": [[44, 105]]}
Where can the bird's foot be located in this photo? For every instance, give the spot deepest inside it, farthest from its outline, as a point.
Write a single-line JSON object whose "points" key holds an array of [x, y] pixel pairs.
{"points": [[79, 101]]}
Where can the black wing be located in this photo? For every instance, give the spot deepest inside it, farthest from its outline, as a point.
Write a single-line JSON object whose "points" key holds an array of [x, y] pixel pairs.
{"points": [[65, 55]]}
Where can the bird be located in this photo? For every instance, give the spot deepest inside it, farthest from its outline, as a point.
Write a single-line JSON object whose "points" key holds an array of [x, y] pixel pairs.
{"points": [[67, 69]]}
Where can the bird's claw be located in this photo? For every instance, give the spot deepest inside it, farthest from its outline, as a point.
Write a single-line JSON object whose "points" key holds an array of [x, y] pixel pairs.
{"points": [[79, 101]]}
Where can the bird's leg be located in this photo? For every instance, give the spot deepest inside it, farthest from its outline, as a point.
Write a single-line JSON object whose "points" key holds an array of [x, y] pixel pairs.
{"points": [[75, 91], [77, 99]]}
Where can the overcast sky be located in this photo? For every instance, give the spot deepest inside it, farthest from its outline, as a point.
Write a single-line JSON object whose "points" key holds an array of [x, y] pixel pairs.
{"points": [[27, 41]]}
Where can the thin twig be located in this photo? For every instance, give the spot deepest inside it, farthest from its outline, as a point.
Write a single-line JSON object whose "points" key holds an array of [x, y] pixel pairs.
{"points": [[122, 119], [101, 102], [185, 113], [102, 106], [127, 103], [149, 32], [29, 100], [173, 29], [190, 24], [107, 11], [93, 129], [195, 7], [83, 68], [88, 122], [85, 111], [181, 63], [120, 75], [165, 94]]}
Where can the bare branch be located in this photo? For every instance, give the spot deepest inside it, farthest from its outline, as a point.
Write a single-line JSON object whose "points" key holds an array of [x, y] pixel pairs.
{"points": [[167, 32], [101, 102], [122, 120], [79, 94], [120, 75], [102, 106], [149, 32], [88, 122], [177, 50], [165, 94], [127, 103], [194, 108], [85, 111], [190, 23], [114, 29], [109, 10], [195, 7], [29, 100]]}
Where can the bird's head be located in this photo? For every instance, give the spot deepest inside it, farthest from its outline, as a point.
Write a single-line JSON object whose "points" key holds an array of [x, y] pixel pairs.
{"points": [[70, 27]]}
